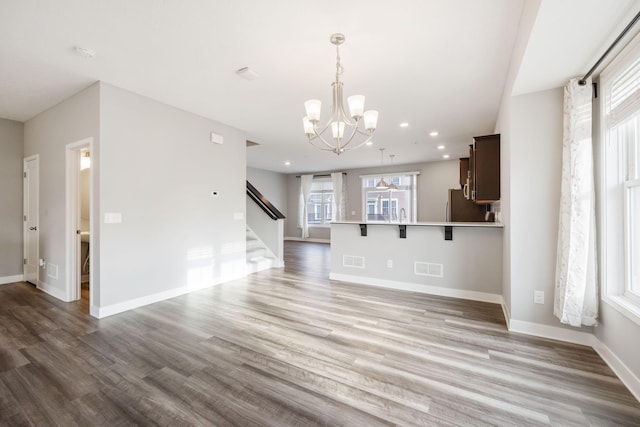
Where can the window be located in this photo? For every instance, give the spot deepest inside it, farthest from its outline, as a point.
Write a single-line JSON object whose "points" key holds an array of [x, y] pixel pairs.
{"points": [[320, 202], [390, 205], [620, 170]]}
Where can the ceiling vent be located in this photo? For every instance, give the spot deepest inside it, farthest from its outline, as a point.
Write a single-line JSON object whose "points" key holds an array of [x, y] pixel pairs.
{"points": [[247, 73]]}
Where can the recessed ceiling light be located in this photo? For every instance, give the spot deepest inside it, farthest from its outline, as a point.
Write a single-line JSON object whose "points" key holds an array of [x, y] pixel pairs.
{"points": [[247, 73], [434, 133], [404, 124], [440, 147], [446, 156], [85, 52], [287, 163]]}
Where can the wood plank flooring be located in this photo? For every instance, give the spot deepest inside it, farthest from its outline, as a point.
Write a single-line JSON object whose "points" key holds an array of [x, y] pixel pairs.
{"points": [[289, 347]]}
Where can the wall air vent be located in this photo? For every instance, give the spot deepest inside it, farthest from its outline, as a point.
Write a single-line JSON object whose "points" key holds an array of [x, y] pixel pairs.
{"points": [[428, 269], [353, 261]]}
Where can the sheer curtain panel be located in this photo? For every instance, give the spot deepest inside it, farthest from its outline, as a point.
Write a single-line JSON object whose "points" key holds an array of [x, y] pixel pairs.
{"points": [[576, 289], [338, 196], [305, 189]]}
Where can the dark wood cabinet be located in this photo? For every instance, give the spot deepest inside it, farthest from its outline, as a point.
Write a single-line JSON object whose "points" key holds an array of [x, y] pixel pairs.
{"points": [[464, 171], [484, 167]]}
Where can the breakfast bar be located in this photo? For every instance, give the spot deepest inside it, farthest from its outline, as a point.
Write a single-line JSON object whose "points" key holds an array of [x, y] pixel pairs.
{"points": [[457, 259]]}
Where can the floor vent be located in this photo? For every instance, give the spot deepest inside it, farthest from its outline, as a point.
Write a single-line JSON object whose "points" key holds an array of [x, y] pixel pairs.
{"points": [[52, 270], [428, 269], [353, 261]]}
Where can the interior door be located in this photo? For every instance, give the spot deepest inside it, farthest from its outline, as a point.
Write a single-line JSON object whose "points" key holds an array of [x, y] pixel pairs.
{"points": [[31, 233]]}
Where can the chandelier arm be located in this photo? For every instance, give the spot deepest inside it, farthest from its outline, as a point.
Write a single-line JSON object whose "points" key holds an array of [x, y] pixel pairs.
{"points": [[359, 145], [319, 136], [353, 133], [320, 147]]}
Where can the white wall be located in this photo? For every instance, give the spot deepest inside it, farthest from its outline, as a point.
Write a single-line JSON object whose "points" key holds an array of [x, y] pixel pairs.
{"points": [[272, 185], [11, 148], [47, 134], [158, 169], [535, 158], [433, 182]]}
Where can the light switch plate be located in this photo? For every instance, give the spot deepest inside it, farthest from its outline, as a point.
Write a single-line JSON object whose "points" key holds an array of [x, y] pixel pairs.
{"points": [[238, 216], [112, 217], [538, 297]]}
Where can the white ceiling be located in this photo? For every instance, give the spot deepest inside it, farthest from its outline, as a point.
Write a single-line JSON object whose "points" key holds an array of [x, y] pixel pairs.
{"points": [[437, 64]]}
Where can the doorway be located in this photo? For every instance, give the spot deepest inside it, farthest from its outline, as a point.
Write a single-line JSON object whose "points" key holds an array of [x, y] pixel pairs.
{"points": [[79, 184], [31, 234]]}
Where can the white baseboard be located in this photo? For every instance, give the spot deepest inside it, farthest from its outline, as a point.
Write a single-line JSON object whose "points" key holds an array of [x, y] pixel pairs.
{"points": [[298, 239], [507, 315], [11, 279], [110, 310], [53, 291], [416, 287], [552, 332], [623, 372]]}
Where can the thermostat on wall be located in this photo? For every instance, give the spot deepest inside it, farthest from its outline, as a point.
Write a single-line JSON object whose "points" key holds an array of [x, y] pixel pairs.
{"points": [[217, 139]]}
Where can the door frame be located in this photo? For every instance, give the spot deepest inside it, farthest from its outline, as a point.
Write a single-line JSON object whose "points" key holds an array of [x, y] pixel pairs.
{"points": [[24, 217], [72, 218]]}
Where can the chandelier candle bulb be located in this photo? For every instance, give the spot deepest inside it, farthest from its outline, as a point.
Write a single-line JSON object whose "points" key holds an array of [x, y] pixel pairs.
{"points": [[308, 126], [313, 107], [337, 129], [356, 106], [370, 120]]}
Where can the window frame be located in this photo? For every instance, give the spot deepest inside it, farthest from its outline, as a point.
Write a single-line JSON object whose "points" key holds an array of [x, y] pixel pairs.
{"points": [[615, 222], [412, 215], [324, 193]]}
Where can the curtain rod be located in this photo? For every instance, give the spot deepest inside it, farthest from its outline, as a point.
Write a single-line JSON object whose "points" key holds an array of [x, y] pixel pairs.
{"points": [[324, 175], [583, 81]]}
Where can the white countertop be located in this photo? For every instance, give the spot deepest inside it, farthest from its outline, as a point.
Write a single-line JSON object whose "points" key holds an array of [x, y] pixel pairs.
{"points": [[428, 224]]}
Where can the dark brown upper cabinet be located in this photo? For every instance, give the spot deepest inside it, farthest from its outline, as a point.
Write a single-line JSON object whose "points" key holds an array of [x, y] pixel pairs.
{"points": [[484, 169]]}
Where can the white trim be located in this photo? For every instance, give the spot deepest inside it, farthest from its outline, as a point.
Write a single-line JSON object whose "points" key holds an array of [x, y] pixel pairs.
{"points": [[11, 279], [377, 175], [628, 378], [416, 287], [507, 315], [552, 332], [25, 160], [311, 240], [72, 208], [119, 307], [53, 291], [624, 306]]}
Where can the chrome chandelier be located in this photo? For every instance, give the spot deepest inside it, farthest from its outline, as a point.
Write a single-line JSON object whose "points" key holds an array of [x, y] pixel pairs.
{"points": [[343, 128]]}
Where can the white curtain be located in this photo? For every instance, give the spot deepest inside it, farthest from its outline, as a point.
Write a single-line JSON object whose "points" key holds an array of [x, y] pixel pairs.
{"points": [[576, 288], [338, 196], [305, 188]]}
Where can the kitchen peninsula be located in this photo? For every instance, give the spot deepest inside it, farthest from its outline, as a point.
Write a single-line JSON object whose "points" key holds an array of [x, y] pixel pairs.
{"points": [[419, 257]]}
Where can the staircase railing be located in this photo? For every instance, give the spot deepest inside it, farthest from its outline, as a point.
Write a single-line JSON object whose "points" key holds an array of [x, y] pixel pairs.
{"points": [[263, 202]]}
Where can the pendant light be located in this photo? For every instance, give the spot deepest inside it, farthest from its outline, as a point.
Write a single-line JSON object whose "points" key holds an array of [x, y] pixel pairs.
{"points": [[392, 186], [382, 184]]}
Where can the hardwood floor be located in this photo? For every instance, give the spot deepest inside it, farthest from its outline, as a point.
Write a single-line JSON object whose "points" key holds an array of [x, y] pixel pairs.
{"points": [[289, 347]]}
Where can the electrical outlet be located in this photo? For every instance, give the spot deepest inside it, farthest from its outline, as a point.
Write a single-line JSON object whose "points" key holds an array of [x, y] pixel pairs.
{"points": [[389, 263], [538, 297]]}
